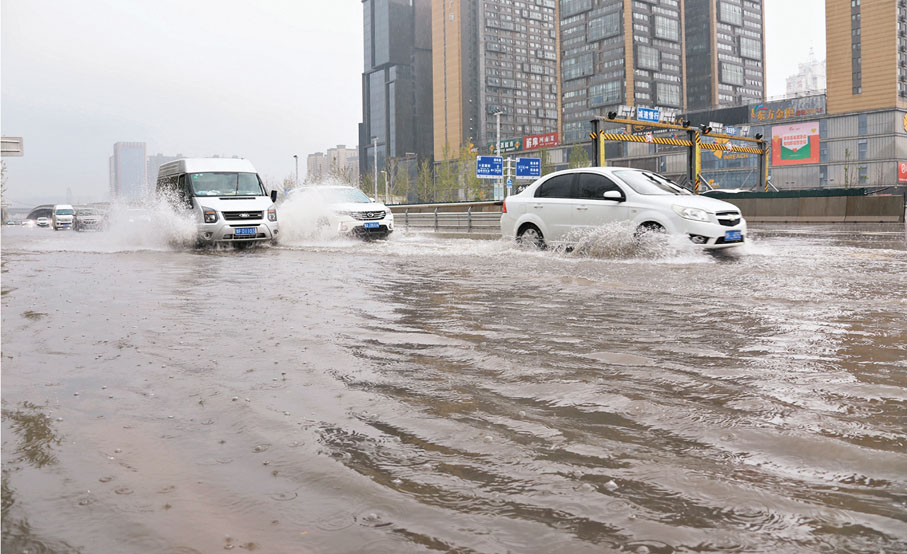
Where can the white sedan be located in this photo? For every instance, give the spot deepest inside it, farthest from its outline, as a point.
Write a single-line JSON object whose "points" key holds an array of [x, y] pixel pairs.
{"points": [[346, 210], [554, 208]]}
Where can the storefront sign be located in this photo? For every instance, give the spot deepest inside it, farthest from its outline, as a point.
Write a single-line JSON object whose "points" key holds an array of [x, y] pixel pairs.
{"points": [[795, 144], [507, 145], [808, 106], [540, 141], [902, 172]]}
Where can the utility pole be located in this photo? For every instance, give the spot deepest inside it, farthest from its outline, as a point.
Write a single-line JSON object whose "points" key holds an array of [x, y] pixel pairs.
{"points": [[375, 143], [295, 157], [385, 187], [497, 118]]}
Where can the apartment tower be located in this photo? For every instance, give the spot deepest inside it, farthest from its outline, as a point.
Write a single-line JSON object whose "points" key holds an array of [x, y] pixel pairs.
{"points": [[867, 60], [493, 56], [619, 52], [725, 53]]}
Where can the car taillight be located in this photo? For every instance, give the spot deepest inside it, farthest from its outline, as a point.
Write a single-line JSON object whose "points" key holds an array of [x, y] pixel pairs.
{"points": [[504, 207]]}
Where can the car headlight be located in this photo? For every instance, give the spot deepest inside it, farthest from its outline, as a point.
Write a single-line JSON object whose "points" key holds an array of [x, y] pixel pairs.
{"points": [[694, 214], [210, 215], [272, 213]]}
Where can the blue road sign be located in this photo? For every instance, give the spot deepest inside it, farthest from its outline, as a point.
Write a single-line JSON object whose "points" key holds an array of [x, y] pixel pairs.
{"points": [[489, 167], [528, 168], [732, 131], [648, 114]]}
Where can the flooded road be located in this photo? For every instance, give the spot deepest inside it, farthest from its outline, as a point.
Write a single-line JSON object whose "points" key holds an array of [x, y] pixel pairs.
{"points": [[440, 395]]}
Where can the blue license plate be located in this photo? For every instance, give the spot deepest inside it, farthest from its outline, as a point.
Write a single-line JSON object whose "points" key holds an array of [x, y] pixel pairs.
{"points": [[732, 236], [371, 225], [244, 231]]}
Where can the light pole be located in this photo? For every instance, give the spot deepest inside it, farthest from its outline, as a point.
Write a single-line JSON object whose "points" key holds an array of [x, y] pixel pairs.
{"points": [[295, 157], [497, 124], [375, 143]]}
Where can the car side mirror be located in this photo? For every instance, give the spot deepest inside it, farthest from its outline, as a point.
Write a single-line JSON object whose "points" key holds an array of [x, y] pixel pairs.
{"points": [[274, 195], [613, 195]]}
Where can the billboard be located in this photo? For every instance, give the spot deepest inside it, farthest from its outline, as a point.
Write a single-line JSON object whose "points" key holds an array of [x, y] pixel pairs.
{"points": [[795, 144], [902, 172]]}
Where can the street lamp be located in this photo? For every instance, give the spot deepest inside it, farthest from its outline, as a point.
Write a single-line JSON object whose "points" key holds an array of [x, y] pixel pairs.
{"points": [[375, 150], [497, 123], [295, 157]]}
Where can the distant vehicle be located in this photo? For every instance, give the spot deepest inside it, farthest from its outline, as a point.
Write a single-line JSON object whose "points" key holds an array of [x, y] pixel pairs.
{"points": [[88, 219], [347, 210], [560, 203], [226, 197], [43, 221], [63, 216], [712, 192], [11, 222]]}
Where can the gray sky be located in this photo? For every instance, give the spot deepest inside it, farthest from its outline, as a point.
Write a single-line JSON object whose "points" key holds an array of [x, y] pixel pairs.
{"points": [[263, 80]]}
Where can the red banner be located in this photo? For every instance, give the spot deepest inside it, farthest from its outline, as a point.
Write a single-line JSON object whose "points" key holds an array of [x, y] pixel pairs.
{"points": [[540, 141], [902, 172]]}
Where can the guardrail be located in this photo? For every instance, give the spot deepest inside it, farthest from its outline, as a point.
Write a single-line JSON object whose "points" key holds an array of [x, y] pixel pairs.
{"points": [[449, 222]]}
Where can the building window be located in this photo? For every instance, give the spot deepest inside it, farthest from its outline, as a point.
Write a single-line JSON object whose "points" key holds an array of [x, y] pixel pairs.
{"points": [[604, 27], [750, 48], [667, 94], [605, 93], [823, 175], [856, 49], [730, 13], [863, 175], [861, 149], [732, 74], [647, 57], [667, 28], [862, 125]]}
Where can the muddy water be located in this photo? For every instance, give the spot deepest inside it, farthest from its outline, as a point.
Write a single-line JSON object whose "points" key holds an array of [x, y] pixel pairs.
{"points": [[431, 395]]}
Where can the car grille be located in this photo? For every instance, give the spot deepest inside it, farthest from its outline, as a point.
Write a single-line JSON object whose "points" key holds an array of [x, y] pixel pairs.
{"points": [[728, 219], [368, 216], [242, 216]]}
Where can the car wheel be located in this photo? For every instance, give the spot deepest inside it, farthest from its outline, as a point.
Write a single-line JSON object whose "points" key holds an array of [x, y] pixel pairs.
{"points": [[649, 227], [530, 235]]}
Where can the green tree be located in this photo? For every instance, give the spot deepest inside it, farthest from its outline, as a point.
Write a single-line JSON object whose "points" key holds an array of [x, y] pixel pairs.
{"points": [[578, 157], [367, 184], [402, 183], [547, 166], [425, 185], [448, 179], [475, 189]]}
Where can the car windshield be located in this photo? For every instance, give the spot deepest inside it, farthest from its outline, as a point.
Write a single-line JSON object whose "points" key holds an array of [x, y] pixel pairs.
{"points": [[65, 211], [226, 184], [343, 196], [650, 184], [87, 212]]}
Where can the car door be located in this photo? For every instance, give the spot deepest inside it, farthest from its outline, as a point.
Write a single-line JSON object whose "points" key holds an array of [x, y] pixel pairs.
{"points": [[596, 210], [554, 204]]}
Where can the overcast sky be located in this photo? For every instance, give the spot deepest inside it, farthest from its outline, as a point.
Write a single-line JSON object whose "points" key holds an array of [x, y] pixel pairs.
{"points": [[263, 80]]}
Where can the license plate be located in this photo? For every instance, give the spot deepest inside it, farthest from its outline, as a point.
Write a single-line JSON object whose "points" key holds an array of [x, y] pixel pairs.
{"points": [[244, 231], [371, 225], [732, 236]]}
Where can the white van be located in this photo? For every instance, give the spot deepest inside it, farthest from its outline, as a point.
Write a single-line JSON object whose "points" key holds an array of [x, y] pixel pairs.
{"points": [[62, 217], [226, 196]]}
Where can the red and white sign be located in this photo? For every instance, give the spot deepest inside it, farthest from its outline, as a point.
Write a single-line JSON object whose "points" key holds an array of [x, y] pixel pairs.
{"points": [[649, 137], [902, 172], [729, 147], [532, 142]]}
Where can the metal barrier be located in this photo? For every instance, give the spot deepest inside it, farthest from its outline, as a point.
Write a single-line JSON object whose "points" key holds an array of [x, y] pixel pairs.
{"points": [[453, 222]]}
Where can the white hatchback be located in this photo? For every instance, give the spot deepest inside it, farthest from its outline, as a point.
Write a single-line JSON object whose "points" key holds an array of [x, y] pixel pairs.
{"points": [[554, 208]]}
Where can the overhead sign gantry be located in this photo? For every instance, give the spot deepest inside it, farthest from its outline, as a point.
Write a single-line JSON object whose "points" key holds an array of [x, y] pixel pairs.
{"points": [[653, 118]]}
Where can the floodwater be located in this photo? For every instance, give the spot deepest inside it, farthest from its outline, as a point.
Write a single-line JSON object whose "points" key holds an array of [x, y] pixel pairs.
{"points": [[441, 395]]}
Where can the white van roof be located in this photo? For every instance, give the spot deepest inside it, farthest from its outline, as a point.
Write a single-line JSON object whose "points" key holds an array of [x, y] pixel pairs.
{"points": [[206, 165]]}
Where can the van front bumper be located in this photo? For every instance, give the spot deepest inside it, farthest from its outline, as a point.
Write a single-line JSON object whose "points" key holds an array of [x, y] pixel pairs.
{"points": [[223, 231]]}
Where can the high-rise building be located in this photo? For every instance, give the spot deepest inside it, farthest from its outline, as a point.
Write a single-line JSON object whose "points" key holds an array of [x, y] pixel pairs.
{"points": [[725, 52], [867, 61], [340, 161], [809, 78], [396, 82], [493, 56], [128, 171], [619, 52]]}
